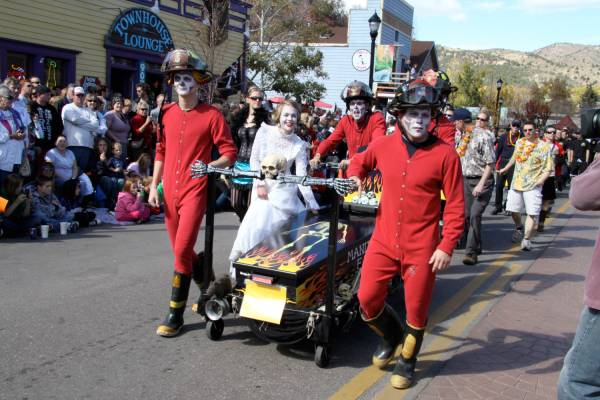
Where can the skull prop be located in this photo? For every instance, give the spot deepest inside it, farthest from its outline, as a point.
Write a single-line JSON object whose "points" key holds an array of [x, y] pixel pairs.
{"points": [[272, 165]]}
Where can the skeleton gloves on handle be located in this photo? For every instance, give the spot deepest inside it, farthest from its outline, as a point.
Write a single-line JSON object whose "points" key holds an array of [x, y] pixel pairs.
{"points": [[341, 186]]}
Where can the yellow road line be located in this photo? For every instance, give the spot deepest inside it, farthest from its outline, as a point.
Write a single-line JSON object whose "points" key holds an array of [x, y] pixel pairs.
{"points": [[457, 331], [366, 378], [371, 374]]}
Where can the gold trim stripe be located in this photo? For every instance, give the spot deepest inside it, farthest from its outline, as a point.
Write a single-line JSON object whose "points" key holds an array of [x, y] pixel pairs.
{"points": [[176, 304]]}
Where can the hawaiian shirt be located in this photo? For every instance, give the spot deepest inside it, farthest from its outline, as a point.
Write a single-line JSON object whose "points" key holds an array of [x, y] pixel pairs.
{"points": [[479, 152], [529, 169]]}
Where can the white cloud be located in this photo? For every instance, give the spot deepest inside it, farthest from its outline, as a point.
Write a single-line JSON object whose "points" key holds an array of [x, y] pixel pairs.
{"points": [[538, 6], [491, 5], [450, 8]]}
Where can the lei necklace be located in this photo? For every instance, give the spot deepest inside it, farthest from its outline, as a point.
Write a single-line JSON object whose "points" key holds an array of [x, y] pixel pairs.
{"points": [[464, 143], [510, 139], [523, 151]]}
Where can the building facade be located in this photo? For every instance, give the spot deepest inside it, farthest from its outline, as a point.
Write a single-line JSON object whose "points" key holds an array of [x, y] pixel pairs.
{"points": [[346, 54], [116, 43]]}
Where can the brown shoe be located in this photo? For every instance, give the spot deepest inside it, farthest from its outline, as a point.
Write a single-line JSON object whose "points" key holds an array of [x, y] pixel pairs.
{"points": [[470, 259]]}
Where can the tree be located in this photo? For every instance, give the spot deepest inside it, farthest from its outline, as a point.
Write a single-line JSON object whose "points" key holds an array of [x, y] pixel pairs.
{"points": [[209, 33], [278, 29], [469, 84], [589, 98], [537, 110], [557, 90], [292, 73]]}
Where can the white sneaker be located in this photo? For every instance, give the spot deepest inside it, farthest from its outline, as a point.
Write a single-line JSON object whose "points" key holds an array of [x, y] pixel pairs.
{"points": [[526, 245]]}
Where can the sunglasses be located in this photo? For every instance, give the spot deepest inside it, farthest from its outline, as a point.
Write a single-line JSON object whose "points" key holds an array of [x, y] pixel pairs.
{"points": [[143, 109], [255, 98], [551, 132], [482, 119], [80, 95], [35, 82]]}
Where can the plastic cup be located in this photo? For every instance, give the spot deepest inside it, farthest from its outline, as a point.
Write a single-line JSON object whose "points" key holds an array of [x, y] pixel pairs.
{"points": [[45, 229], [64, 227]]}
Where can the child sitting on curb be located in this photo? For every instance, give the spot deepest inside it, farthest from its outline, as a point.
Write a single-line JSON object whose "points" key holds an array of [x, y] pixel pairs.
{"points": [[130, 202], [47, 208]]}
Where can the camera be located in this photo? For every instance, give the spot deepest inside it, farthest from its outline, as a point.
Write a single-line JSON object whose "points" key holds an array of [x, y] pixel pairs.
{"points": [[590, 123]]}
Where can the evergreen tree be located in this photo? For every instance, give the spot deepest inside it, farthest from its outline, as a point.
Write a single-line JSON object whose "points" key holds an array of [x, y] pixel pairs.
{"points": [[469, 85], [589, 98]]}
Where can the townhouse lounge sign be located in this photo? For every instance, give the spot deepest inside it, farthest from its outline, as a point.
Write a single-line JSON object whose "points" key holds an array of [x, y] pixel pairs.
{"points": [[140, 29]]}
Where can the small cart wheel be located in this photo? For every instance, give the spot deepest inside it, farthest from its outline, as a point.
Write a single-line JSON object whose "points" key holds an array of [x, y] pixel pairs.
{"points": [[214, 329], [322, 355]]}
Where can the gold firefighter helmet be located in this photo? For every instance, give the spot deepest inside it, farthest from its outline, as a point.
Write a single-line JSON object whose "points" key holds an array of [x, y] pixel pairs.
{"points": [[184, 60]]}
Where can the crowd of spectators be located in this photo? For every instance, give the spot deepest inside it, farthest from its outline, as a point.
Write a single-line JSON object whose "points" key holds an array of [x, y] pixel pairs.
{"points": [[64, 153]]}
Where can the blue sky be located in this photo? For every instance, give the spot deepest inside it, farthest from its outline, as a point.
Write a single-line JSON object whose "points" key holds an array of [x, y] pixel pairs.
{"points": [[516, 24]]}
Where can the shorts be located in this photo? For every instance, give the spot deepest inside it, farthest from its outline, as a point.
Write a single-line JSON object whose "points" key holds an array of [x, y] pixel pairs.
{"points": [[549, 189], [531, 199]]}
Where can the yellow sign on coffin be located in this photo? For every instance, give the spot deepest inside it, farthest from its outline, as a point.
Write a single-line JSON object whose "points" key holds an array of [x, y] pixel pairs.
{"points": [[263, 302]]}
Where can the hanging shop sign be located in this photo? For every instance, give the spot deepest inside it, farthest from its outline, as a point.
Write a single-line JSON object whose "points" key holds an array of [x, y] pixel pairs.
{"points": [[16, 71], [140, 29], [87, 81]]}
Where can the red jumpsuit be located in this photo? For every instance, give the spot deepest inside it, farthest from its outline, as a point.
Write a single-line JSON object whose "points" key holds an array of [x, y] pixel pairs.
{"points": [[406, 228], [445, 130], [187, 137], [356, 135]]}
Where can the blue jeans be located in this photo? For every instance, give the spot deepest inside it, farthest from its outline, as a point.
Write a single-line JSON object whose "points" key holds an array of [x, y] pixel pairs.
{"points": [[580, 375]]}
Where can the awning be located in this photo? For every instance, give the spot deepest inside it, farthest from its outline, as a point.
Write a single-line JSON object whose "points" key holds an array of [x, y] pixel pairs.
{"points": [[277, 100], [322, 104]]}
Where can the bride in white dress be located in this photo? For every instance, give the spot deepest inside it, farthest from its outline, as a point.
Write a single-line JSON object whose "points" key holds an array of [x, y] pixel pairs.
{"points": [[273, 202]]}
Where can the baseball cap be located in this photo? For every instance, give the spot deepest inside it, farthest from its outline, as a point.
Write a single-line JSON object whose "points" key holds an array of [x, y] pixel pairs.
{"points": [[78, 90], [41, 89], [462, 114]]}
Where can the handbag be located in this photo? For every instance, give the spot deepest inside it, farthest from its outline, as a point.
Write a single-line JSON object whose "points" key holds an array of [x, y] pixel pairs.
{"points": [[25, 167]]}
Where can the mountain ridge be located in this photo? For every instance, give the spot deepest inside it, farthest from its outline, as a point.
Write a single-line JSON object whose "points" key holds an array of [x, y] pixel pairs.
{"points": [[578, 63]]}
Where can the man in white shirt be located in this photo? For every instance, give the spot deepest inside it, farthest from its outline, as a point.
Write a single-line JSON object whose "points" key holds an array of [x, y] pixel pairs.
{"points": [[80, 126]]}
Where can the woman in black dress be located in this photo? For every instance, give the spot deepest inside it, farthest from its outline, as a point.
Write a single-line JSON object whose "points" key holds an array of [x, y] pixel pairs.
{"points": [[244, 125]]}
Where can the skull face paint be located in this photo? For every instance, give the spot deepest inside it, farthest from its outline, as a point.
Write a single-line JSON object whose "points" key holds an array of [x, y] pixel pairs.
{"points": [[414, 123], [357, 109], [184, 83], [288, 119]]}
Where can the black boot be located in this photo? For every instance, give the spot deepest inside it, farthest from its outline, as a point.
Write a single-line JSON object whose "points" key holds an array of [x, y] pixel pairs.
{"points": [[173, 323], [542, 220], [198, 277], [388, 327], [404, 371]]}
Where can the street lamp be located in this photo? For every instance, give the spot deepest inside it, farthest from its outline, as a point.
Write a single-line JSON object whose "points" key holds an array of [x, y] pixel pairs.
{"points": [[374, 23], [499, 84]]}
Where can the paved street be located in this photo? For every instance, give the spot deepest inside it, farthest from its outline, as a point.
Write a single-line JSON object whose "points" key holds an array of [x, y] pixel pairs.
{"points": [[78, 317]]}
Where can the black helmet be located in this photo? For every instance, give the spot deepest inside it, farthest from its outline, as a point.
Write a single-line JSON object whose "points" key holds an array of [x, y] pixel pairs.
{"points": [[356, 90], [444, 85], [180, 60], [416, 93]]}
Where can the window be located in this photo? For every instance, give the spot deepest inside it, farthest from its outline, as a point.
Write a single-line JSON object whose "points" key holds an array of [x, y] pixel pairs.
{"points": [[19, 65], [55, 71], [396, 36]]}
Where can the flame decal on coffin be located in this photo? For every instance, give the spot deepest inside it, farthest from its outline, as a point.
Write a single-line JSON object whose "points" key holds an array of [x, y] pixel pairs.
{"points": [[290, 258]]}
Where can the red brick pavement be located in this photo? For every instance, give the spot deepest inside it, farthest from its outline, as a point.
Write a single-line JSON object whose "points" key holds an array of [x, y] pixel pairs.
{"points": [[515, 352]]}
